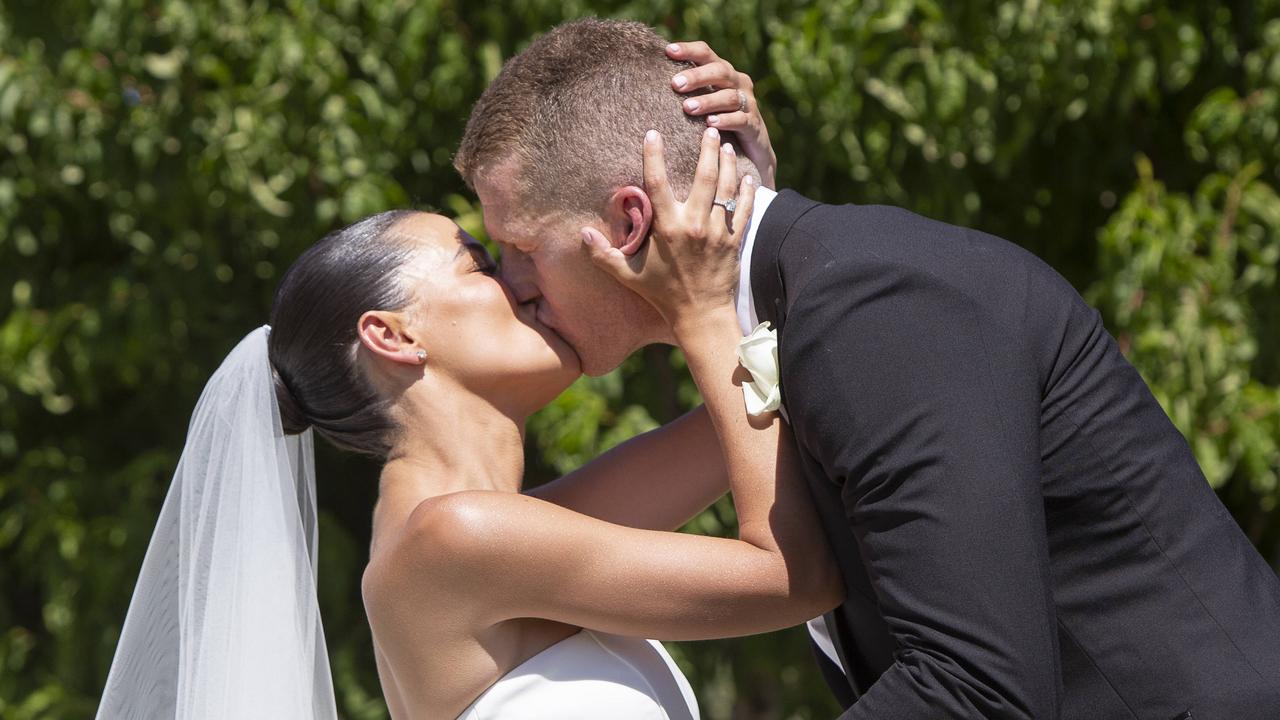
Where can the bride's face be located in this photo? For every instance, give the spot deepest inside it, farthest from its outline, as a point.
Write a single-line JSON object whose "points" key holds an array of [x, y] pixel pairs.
{"points": [[471, 325]]}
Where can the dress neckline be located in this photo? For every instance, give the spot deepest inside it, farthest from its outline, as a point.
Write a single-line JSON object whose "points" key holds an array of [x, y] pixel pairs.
{"points": [[518, 668]]}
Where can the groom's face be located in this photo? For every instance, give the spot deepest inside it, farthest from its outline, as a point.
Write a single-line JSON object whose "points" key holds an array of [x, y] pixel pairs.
{"points": [[545, 262]]}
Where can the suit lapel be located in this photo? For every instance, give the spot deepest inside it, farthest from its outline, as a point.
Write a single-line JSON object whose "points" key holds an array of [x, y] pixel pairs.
{"points": [[766, 273], [769, 292]]}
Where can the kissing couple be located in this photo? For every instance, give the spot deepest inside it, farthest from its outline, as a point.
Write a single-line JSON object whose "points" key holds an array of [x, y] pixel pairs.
{"points": [[939, 458]]}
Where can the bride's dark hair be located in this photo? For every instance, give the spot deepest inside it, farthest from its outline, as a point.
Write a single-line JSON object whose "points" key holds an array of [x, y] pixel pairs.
{"points": [[313, 344]]}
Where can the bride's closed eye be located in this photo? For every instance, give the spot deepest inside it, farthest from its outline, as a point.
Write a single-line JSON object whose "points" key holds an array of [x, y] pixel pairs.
{"points": [[483, 262]]}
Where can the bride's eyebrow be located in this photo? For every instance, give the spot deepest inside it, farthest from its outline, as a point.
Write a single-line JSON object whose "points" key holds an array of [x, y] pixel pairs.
{"points": [[471, 248]]}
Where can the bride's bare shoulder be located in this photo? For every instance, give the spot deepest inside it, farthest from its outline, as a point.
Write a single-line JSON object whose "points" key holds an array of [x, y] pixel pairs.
{"points": [[472, 521], [426, 592], [453, 543]]}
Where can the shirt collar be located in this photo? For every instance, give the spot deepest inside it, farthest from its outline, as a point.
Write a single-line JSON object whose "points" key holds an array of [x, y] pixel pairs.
{"points": [[747, 318]]}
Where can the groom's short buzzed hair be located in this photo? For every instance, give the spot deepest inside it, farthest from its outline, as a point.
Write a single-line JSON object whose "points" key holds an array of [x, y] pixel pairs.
{"points": [[572, 109]]}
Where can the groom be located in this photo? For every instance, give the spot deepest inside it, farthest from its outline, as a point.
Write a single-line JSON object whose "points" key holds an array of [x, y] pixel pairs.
{"points": [[1022, 531]]}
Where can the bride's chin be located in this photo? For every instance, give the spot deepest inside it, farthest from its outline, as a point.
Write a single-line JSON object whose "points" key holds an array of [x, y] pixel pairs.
{"points": [[567, 358], [570, 363], [566, 374]]}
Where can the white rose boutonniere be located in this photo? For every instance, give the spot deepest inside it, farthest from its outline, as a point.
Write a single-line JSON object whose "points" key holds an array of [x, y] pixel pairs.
{"points": [[758, 353]]}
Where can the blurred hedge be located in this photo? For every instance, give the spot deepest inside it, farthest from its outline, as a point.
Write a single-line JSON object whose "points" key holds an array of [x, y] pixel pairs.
{"points": [[162, 161]]}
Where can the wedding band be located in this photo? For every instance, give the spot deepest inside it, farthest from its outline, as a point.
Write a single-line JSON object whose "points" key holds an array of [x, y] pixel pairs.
{"points": [[729, 205], [742, 101]]}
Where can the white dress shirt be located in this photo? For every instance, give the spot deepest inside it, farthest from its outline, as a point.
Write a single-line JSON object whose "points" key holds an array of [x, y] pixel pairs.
{"points": [[747, 318]]}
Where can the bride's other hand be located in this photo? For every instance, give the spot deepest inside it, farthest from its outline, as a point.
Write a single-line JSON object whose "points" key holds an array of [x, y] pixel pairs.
{"points": [[688, 269], [730, 105]]}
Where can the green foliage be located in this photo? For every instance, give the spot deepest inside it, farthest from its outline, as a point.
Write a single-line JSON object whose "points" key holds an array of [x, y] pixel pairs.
{"points": [[1190, 279], [162, 161]]}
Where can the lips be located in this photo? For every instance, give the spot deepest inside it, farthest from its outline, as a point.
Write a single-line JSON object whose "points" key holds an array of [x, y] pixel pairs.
{"points": [[540, 315], [531, 312]]}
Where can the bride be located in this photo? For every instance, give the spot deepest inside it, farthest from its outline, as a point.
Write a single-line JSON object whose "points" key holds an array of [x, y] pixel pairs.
{"points": [[396, 337]]}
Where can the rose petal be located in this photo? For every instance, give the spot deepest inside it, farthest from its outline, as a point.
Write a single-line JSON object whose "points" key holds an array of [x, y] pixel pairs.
{"points": [[760, 402], [762, 361], [758, 353]]}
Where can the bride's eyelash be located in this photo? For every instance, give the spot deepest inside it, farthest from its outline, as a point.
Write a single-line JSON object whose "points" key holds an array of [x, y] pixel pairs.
{"points": [[482, 261]]}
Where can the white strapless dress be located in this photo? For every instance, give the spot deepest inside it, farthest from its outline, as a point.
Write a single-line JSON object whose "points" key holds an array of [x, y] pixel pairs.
{"points": [[588, 676]]}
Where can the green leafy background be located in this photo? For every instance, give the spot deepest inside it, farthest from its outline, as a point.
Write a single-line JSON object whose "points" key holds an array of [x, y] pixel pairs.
{"points": [[162, 162]]}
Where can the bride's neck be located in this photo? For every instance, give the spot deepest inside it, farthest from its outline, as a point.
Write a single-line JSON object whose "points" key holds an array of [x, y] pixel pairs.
{"points": [[451, 441]]}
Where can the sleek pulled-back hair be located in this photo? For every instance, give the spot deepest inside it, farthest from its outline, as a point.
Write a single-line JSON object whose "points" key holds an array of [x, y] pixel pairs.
{"points": [[313, 344]]}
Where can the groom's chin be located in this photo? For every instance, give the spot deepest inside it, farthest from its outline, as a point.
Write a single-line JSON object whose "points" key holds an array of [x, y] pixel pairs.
{"points": [[599, 370], [604, 359], [598, 364]]}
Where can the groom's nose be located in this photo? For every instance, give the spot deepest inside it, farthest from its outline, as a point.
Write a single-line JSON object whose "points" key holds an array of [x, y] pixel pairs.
{"points": [[517, 273]]}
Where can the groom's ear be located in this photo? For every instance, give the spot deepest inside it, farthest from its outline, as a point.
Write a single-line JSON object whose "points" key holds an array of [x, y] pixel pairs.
{"points": [[629, 214]]}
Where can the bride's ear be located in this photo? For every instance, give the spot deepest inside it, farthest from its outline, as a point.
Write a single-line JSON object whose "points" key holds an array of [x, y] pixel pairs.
{"points": [[629, 214], [383, 334]]}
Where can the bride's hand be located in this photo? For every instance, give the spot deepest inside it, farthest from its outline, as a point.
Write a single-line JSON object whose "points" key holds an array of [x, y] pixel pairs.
{"points": [[688, 269], [729, 106]]}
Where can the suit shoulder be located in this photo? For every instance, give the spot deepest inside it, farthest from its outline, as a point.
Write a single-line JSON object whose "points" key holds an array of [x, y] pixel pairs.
{"points": [[872, 220], [885, 234]]}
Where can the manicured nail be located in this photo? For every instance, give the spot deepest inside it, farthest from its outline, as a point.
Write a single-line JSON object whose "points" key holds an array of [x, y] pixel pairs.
{"points": [[713, 119], [651, 136], [673, 47], [727, 148], [691, 105], [680, 81], [713, 133]]}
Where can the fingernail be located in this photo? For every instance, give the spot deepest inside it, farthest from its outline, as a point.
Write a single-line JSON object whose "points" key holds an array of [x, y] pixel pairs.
{"points": [[651, 136], [691, 105], [673, 47], [586, 238], [750, 180], [680, 81], [712, 132], [727, 148], [713, 119]]}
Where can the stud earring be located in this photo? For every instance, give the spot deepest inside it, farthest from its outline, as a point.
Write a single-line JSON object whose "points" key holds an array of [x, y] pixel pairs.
{"points": [[422, 356]]}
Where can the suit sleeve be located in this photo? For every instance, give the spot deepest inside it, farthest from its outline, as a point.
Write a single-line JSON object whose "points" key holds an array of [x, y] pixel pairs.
{"points": [[921, 401]]}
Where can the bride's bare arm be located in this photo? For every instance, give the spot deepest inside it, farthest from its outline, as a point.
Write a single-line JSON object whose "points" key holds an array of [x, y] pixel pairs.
{"points": [[505, 556], [657, 480]]}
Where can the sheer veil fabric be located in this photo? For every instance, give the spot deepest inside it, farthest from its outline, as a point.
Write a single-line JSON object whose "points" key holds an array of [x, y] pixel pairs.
{"points": [[224, 621]]}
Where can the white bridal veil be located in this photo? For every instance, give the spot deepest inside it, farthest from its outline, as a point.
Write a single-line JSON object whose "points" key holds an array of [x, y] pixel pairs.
{"points": [[224, 621]]}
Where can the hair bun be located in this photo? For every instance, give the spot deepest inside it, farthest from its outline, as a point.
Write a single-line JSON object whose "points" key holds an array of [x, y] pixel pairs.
{"points": [[292, 416]]}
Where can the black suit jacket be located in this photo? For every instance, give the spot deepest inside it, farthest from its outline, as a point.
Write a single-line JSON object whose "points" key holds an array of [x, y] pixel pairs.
{"points": [[1023, 532]]}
